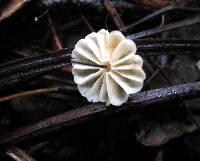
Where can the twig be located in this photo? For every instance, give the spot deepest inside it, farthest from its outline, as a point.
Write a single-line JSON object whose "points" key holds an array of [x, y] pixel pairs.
{"points": [[37, 18], [160, 12], [152, 76], [29, 93], [24, 70], [159, 29], [12, 7], [58, 44], [18, 154], [171, 46], [34, 149], [83, 113], [165, 94], [88, 24], [160, 69], [89, 64], [180, 99], [113, 12], [70, 24]]}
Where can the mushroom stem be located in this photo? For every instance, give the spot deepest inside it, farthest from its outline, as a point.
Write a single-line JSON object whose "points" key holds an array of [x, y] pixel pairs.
{"points": [[93, 65]]}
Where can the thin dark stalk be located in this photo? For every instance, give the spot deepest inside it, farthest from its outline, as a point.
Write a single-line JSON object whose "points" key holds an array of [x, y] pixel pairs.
{"points": [[70, 24], [161, 69], [180, 99], [165, 94], [56, 38], [80, 114], [88, 24], [34, 149], [160, 12], [159, 29], [17, 72], [114, 14], [151, 77], [92, 65], [169, 46], [20, 71]]}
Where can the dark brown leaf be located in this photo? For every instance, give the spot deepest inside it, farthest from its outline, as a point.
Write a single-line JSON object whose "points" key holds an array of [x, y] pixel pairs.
{"points": [[159, 127]]}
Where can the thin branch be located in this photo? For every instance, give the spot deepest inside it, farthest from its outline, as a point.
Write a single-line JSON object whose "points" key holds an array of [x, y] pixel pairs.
{"points": [[37, 18], [29, 93], [159, 29], [12, 7], [18, 154], [34, 149], [88, 24], [165, 94], [93, 65], [113, 12], [169, 46], [160, 12], [24, 70], [178, 97], [70, 24], [83, 113], [57, 41], [19, 71], [152, 76]]}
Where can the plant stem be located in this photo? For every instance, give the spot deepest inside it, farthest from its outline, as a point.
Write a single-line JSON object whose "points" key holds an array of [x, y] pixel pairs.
{"points": [[18, 154], [86, 112], [29, 93], [159, 29], [160, 12]]}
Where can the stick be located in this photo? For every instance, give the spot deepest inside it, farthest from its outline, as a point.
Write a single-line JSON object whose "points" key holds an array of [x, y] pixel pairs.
{"points": [[86, 112]]}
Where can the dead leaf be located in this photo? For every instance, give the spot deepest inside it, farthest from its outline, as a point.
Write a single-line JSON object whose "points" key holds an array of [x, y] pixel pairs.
{"points": [[162, 126]]}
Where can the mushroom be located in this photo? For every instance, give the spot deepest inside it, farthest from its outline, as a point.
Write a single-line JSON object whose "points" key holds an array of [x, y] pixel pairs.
{"points": [[108, 69]]}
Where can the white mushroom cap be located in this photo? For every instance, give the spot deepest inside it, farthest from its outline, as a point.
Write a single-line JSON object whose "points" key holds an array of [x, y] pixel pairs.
{"points": [[122, 76]]}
